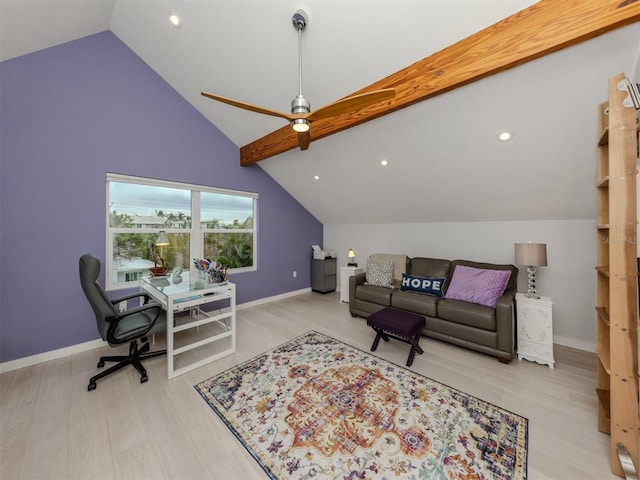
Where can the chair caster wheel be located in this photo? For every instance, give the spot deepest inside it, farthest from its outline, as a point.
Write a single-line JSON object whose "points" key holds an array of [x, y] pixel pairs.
{"points": [[143, 378], [92, 386], [101, 364]]}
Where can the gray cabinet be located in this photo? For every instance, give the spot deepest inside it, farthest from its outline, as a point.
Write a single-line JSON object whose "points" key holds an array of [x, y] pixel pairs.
{"points": [[323, 275]]}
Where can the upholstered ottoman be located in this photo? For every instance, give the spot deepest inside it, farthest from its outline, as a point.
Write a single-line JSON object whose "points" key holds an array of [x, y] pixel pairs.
{"points": [[398, 324]]}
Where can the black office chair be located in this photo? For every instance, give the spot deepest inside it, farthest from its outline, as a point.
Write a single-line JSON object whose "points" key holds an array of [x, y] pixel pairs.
{"points": [[118, 327]]}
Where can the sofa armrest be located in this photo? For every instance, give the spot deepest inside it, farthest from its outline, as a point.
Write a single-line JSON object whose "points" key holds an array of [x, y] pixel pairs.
{"points": [[354, 281], [506, 321]]}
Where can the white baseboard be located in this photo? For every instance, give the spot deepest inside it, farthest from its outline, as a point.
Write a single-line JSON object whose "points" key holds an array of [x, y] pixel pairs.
{"points": [[282, 296], [570, 342], [83, 347], [52, 355]]}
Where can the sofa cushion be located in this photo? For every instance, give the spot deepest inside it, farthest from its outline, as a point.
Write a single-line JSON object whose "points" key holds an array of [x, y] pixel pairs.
{"points": [[373, 294], [379, 274], [475, 285], [428, 285], [465, 313], [415, 302], [429, 267]]}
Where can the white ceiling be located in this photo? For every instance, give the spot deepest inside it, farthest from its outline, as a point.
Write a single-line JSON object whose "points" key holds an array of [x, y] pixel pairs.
{"points": [[445, 163]]}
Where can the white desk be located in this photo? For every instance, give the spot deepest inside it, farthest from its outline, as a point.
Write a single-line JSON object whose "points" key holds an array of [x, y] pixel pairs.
{"points": [[195, 337]]}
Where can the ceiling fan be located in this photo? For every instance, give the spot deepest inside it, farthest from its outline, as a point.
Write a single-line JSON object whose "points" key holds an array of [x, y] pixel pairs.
{"points": [[301, 115]]}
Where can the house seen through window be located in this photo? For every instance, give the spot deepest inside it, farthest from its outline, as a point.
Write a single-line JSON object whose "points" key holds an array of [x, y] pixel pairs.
{"points": [[199, 222]]}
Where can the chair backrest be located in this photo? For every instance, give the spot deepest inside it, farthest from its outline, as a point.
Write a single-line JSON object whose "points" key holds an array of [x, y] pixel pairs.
{"points": [[97, 297]]}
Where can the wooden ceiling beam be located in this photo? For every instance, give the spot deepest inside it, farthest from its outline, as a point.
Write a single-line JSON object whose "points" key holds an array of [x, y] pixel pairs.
{"points": [[543, 28]]}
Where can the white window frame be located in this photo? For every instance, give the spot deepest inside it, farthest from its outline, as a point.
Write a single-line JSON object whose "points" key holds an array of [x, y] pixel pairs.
{"points": [[196, 231]]}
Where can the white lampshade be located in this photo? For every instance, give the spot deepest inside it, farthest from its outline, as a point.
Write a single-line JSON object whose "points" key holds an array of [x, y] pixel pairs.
{"points": [[162, 240]]}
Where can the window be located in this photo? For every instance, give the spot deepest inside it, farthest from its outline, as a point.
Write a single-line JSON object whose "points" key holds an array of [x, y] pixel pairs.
{"points": [[199, 222]]}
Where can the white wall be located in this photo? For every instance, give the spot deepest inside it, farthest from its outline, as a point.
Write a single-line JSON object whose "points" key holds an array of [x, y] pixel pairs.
{"points": [[569, 279]]}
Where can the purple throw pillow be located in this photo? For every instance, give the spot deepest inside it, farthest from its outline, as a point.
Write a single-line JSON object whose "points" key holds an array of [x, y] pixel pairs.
{"points": [[476, 285]]}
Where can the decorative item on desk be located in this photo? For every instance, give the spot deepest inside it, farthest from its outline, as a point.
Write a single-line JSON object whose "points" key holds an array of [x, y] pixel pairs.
{"points": [[212, 271], [532, 255], [162, 269], [159, 270], [352, 258], [177, 275]]}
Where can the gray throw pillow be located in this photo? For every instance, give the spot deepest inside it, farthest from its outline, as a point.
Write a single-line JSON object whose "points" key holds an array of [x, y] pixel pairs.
{"points": [[379, 274]]}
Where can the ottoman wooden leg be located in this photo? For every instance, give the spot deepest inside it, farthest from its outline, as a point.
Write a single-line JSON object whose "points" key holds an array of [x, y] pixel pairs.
{"points": [[412, 354], [414, 348], [376, 340], [418, 347]]}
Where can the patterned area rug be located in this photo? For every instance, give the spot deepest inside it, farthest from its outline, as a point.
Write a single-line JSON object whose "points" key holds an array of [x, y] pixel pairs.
{"points": [[315, 408]]}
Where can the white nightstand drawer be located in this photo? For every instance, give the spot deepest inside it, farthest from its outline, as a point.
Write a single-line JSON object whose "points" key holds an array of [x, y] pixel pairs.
{"points": [[535, 350]]}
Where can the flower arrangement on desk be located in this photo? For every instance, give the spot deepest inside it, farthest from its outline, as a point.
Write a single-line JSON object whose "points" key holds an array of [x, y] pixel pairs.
{"points": [[212, 271]]}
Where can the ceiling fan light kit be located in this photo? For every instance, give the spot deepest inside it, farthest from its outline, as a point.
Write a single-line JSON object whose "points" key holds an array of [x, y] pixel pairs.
{"points": [[300, 125], [301, 116]]}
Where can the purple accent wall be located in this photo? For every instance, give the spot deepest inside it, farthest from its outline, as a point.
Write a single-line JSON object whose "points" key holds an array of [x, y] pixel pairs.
{"points": [[69, 115]]}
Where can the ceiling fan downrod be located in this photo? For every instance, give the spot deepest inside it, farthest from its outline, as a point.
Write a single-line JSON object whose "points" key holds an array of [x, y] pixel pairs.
{"points": [[300, 104]]}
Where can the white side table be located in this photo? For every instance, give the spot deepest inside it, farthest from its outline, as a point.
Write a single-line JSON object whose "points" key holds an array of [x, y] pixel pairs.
{"points": [[535, 329], [345, 273]]}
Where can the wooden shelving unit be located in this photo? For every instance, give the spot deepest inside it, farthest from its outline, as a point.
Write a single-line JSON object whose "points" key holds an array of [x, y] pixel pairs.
{"points": [[617, 272]]}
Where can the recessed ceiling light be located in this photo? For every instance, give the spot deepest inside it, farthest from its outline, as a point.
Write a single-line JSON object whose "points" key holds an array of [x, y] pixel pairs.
{"points": [[316, 177], [384, 163], [175, 20], [505, 136]]}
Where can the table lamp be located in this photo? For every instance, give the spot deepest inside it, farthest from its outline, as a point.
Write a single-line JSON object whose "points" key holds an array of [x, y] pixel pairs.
{"points": [[533, 255], [162, 241], [352, 258]]}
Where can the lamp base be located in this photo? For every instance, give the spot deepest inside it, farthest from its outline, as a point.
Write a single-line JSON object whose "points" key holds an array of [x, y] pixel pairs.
{"points": [[351, 264], [531, 283]]}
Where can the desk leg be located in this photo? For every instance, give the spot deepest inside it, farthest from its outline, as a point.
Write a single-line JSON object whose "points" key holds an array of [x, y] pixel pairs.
{"points": [[170, 369]]}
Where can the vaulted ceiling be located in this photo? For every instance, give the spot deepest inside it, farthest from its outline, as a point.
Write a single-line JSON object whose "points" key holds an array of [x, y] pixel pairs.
{"points": [[444, 160]]}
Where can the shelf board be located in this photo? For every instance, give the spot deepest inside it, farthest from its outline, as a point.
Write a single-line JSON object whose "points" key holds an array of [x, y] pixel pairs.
{"points": [[604, 138], [603, 315], [604, 398], [603, 226], [604, 361], [603, 183], [603, 270]]}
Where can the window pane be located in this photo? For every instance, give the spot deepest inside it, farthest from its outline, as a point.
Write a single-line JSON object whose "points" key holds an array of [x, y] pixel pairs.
{"points": [[134, 253], [139, 209], [147, 206], [233, 250], [225, 211]]}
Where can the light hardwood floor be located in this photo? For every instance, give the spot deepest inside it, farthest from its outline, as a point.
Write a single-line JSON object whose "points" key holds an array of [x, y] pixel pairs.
{"points": [[51, 427]]}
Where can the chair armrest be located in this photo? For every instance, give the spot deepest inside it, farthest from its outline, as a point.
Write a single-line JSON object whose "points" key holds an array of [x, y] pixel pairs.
{"points": [[141, 308], [114, 321], [133, 311], [130, 296]]}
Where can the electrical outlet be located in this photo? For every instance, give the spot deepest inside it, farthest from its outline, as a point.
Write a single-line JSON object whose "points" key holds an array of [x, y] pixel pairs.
{"points": [[295, 274]]}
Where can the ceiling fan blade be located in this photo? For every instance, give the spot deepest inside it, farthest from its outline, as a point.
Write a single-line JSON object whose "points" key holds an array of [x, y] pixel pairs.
{"points": [[248, 106], [351, 104], [304, 139]]}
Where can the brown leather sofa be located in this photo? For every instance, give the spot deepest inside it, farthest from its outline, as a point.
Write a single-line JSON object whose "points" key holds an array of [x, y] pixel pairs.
{"points": [[477, 327]]}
